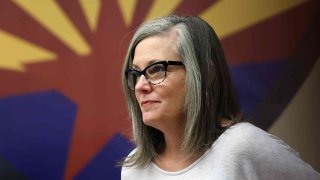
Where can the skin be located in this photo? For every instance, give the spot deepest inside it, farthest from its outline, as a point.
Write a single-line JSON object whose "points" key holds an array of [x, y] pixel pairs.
{"points": [[162, 105]]}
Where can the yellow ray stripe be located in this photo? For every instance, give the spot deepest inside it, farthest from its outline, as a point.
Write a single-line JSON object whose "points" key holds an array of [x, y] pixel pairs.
{"points": [[51, 16], [16, 51], [91, 10], [230, 16], [127, 8], [162, 8]]}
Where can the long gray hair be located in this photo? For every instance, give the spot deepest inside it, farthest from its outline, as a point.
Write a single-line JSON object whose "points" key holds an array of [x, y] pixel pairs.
{"points": [[209, 94]]}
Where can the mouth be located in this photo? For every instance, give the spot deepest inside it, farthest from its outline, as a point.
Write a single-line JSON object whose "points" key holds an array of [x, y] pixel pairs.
{"points": [[148, 102]]}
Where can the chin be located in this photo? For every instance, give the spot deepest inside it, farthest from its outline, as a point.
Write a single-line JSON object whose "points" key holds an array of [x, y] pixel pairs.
{"points": [[150, 121]]}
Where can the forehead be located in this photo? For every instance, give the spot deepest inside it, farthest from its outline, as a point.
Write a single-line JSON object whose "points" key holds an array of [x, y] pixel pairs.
{"points": [[156, 48]]}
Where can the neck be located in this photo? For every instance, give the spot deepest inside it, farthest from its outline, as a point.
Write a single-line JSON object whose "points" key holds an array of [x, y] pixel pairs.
{"points": [[171, 159], [173, 143]]}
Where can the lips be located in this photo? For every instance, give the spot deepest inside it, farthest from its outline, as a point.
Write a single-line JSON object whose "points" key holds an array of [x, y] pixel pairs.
{"points": [[148, 102]]}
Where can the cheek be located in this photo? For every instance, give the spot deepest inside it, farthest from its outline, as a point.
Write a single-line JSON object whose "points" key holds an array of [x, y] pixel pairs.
{"points": [[180, 98], [178, 92], [176, 99], [175, 107], [137, 95]]}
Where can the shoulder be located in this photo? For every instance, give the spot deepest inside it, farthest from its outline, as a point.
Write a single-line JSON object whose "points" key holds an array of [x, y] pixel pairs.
{"points": [[247, 135], [133, 173], [125, 166], [130, 171], [252, 150], [245, 129], [246, 139]]}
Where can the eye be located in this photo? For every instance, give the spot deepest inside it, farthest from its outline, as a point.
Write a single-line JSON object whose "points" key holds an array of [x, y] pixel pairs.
{"points": [[157, 68], [132, 78], [133, 75]]}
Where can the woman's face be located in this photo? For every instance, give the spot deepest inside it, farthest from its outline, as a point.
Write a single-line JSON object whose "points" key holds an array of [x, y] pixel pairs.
{"points": [[162, 105]]}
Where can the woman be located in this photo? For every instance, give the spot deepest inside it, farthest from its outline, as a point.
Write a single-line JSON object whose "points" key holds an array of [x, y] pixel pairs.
{"points": [[186, 120]]}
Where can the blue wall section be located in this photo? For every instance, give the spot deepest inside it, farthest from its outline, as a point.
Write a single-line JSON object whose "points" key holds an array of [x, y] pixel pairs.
{"points": [[35, 133], [103, 166], [252, 82]]}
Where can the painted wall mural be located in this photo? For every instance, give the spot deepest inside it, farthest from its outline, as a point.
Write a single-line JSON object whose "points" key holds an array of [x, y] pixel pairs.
{"points": [[62, 111]]}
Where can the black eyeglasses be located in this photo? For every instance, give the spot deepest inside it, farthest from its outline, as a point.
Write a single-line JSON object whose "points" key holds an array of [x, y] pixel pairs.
{"points": [[154, 73]]}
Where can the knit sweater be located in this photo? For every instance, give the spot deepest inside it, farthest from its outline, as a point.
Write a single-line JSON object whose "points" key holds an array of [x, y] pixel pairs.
{"points": [[242, 152]]}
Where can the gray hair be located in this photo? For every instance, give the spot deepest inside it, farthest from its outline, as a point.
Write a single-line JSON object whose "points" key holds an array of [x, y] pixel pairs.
{"points": [[209, 95]]}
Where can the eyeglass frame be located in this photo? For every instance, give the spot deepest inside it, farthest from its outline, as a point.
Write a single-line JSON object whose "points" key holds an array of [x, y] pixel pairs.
{"points": [[165, 63]]}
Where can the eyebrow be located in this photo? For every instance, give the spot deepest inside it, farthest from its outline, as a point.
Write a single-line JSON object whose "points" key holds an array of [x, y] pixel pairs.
{"points": [[150, 62]]}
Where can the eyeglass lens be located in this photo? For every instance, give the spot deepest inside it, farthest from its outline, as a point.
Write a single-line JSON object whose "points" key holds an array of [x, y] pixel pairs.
{"points": [[154, 74]]}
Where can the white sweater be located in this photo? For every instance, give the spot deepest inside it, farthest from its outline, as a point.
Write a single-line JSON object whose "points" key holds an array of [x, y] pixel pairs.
{"points": [[242, 152]]}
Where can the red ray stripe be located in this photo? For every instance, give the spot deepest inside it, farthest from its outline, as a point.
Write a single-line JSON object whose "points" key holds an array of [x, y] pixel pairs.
{"points": [[142, 8], [111, 24], [275, 38], [75, 13], [14, 20], [16, 83], [191, 7], [93, 82]]}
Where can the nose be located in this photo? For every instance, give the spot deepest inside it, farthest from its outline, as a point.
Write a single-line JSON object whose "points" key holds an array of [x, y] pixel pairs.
{"points": [[142, 84]]}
